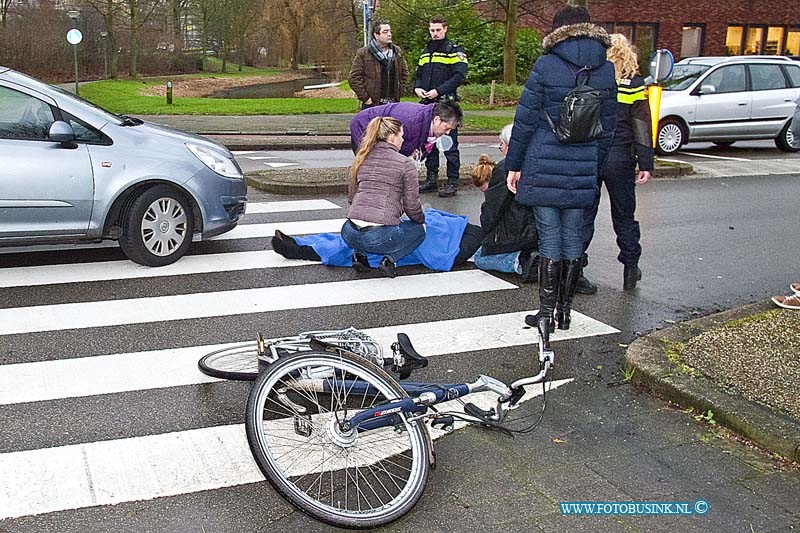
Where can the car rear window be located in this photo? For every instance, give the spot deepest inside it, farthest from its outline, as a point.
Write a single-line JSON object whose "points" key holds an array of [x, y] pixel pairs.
{"points": [[794, 74], [766, 77]]}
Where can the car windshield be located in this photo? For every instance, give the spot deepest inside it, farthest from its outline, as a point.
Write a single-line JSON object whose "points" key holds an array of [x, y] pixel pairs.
{"points": [[683, 76], [110, 116]]}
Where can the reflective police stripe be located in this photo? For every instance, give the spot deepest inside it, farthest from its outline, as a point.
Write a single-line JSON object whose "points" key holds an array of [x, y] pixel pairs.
{"points": [[628, 96], [447, 59]]}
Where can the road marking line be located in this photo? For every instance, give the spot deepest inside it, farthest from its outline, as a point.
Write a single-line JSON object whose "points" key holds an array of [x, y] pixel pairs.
{"points": [[124, 372], [291, 205], [244, 301], [124, 269], [716, 156], [242, 231], [109, 472], [281, 165]]}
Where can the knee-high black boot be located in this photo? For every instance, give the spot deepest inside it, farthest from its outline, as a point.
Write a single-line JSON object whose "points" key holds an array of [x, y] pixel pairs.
{"points": [[288, 248], [549, 280], [570, 274]]}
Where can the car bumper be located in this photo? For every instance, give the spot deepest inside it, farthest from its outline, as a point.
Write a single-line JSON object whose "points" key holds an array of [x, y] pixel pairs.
{"points": [[222, 202]]}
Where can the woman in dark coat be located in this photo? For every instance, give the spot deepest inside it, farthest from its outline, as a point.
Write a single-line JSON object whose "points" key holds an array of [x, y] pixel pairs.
{"points": [[560, 180]]}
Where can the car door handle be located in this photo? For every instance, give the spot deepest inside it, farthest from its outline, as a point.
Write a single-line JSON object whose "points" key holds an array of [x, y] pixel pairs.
{"points": [[787, 99], [742, 103]]}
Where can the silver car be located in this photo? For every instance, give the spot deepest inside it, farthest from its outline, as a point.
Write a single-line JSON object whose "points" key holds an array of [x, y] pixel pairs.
{"points": [[72, 172], [727, 99]]}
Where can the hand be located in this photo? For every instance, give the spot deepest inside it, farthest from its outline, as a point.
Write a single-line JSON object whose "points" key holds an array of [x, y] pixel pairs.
{"points": [[511, 181], [419, 92], [432, 94], [368, 101], [643, 177]]}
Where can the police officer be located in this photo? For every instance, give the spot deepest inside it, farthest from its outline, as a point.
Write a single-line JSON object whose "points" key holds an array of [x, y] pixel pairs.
{"points": [[442, 68], [632, 148]]}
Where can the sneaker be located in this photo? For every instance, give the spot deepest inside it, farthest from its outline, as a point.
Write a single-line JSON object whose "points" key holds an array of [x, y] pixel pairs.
{"points": [[585, 286], [630, 276], [360, 263], [795, 288], [787, 302], [387, 267], [428, 186]]}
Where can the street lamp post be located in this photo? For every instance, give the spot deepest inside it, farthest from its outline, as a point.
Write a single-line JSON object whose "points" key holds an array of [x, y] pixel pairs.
{"points": [[73, 14], [104, 35]]}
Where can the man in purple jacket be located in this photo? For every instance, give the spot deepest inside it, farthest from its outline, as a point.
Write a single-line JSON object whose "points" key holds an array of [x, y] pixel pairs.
{"points": [[422, 124]]}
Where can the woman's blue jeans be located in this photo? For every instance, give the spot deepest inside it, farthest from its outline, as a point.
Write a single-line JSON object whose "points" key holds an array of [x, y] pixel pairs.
{"points": [[560, 232], [498, 262], [394, 242]]}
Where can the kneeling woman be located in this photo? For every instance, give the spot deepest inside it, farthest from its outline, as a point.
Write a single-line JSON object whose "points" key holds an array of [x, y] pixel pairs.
{"points": [[383, 186]]}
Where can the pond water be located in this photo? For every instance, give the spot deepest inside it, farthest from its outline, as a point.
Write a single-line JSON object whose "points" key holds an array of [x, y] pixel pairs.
{"points": [[281, 89]]}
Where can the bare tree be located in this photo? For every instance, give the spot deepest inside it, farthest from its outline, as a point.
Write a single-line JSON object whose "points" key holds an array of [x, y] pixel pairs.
{"points": [[5, 6], [138, 12], [109, 11]]}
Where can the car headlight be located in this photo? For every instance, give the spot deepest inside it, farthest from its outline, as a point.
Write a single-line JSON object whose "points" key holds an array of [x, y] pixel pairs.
{"points": [[215, 160]]}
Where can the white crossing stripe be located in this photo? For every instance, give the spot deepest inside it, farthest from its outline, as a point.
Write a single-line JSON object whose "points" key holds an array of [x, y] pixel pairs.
{"points": [[281, 165], [133, 469], [303, 227], [709, 156], [255, 208], [124, 269], [243, 301], [115, 373]]}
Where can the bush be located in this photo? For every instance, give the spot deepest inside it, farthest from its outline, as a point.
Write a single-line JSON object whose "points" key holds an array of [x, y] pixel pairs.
{"points": [[504, 95]]}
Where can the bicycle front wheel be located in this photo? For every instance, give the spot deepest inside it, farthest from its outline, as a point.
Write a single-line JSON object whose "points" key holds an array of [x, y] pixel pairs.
{"points": [[352, 479]]}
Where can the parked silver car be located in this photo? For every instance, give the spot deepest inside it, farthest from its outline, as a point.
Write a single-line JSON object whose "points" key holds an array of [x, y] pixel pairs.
{"points": [[727, 99], [72, 172]]}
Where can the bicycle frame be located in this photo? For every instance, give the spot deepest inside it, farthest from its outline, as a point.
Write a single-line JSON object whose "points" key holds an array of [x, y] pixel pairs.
{"points": [[424, 395]]}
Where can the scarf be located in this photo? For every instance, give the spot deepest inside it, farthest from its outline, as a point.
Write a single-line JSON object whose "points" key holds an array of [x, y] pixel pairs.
{"points": [[386, 58]]}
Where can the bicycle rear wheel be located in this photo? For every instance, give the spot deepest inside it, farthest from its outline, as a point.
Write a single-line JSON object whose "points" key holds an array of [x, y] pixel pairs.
{"points": [[237, 362], [358, 479]]}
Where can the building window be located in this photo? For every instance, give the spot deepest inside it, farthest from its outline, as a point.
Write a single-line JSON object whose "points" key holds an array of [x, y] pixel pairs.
{"points": [[774, 42], [754, 40], [733, 41], [792, 42], [692, 40]]}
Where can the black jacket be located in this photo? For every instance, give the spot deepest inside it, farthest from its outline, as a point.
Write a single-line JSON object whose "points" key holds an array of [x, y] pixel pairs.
{"points": [[442, 66], [633, 120], [509, 226]]}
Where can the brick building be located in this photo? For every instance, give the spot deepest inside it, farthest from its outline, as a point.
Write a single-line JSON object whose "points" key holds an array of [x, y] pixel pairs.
{"points": [[696, 27]]}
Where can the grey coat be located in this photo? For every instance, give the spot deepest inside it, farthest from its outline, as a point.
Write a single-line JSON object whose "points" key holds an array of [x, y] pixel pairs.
{"points": [[387, 185]]}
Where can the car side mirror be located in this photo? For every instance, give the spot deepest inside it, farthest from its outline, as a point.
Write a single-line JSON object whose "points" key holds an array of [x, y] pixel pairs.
{"points": [[62, 132], [707, 89]]}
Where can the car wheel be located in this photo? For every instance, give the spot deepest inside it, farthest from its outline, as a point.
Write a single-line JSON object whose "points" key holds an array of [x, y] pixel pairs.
{"points": [[157, 227], [724, 144], [670, 138], [785, 140]]}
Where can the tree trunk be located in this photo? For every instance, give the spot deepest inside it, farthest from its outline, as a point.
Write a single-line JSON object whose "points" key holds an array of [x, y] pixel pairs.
{"points": [[134, 18], [510, 45]]}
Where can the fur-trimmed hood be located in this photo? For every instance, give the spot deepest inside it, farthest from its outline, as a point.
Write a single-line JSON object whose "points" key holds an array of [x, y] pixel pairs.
{"points": [[581, 44], [584, 29]]}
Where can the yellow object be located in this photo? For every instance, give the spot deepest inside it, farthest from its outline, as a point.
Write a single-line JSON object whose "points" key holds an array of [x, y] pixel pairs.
{"points": [[654, 99]]}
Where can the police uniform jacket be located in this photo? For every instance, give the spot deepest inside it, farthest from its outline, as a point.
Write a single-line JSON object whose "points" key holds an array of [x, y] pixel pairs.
{"points": [[442, 66], [633, 120]]}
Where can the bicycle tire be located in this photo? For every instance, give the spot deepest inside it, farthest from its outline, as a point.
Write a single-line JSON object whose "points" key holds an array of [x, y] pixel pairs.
{"points": [[238, 362], [295, 464]]}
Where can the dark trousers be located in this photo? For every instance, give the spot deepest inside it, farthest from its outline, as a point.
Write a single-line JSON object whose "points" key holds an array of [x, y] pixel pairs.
{"points": [[619, 176], [453, 160]]}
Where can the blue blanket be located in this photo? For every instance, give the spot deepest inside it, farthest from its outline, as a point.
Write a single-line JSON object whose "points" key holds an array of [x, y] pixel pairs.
{"points": [[443, 233]]}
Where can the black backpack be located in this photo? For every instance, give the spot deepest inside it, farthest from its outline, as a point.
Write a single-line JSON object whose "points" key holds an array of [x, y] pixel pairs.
{"points": [[579, 119]]}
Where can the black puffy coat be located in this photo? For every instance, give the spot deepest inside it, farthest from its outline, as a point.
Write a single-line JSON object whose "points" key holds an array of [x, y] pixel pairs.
{"points": [[509, 226]]}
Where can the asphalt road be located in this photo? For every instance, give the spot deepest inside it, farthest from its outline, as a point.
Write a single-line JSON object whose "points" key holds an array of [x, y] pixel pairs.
{"points": [[145, 433]]}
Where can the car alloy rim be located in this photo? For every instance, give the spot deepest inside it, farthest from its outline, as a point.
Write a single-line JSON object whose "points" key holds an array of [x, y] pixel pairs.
{"points": [[164, 226], [669, 138], [789, 137]]}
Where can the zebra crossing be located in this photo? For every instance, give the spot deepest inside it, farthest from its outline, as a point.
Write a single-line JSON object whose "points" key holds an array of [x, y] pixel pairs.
{"points": [[100, 396]]}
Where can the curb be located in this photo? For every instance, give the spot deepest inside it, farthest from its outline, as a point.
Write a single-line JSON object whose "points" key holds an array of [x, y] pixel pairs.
{"points": [[776, 432], [319, 180]]}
